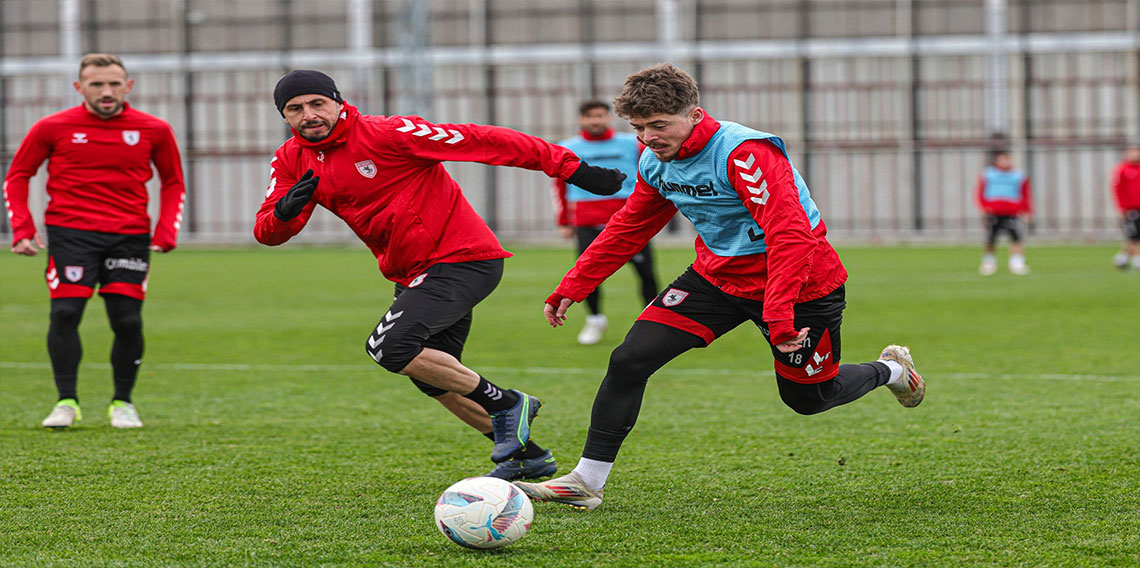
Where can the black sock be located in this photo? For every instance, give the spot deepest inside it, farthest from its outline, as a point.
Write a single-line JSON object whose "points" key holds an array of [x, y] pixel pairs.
{"points": [[492, 398], [123, 389], [530, 451], [65, 385]]}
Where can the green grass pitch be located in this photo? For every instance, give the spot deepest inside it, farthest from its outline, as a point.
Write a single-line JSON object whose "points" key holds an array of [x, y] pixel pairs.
{"points": [[272, 439]]}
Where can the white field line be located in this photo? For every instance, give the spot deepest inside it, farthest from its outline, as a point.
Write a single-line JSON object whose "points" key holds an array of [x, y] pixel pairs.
{"points": [[599, 372]]}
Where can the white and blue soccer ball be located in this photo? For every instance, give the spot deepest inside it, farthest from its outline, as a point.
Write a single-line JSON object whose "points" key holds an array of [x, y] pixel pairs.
{"points": [[483, 512]]}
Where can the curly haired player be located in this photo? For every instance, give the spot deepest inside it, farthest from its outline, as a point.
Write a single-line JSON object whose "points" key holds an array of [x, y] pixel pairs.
{"points": [[762, 256]]}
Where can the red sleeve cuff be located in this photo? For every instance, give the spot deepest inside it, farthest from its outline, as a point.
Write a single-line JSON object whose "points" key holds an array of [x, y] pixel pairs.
{"points": [[555, 299], [781, 331]]}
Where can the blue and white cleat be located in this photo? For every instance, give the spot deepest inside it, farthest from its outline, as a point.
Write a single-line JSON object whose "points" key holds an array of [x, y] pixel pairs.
{"points": [[532, 468], [512, 426]]}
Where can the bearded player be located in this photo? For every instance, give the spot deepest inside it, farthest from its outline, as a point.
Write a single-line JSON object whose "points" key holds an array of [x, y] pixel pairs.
{"points": [[384, 176], [98, 230]]}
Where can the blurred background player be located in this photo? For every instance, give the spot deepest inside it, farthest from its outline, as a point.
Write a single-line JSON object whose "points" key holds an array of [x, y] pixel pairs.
{"points": [[1126, 189], [762, 255], [98, 229], [384, 176], [1004, 198], [582, 214]]}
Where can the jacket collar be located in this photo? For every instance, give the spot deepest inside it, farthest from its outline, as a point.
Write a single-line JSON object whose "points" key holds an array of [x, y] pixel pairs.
{"points": [[609, 133], [702, 133], [126, 109]]}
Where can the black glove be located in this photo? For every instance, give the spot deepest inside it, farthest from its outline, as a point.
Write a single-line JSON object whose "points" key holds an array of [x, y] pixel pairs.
{"points": [[599, 181], [297, 197]]}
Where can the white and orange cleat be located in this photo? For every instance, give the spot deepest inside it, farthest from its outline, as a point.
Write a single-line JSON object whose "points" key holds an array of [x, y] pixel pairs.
{"points": [[911, 388]]}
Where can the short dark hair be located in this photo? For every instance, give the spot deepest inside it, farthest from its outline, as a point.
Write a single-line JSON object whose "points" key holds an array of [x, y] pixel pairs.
{"points": [[100, 60], [591, 104], [998, 152], [661, 89]]}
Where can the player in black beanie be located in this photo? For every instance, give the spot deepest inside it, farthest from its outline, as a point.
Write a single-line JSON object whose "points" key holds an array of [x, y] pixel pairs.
{"points": [[304, 82]]}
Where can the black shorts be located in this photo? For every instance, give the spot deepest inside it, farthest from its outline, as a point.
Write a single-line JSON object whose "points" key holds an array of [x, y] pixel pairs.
{"points": [[1132, 224], [79, 260], [997, 224], [434, 311], [695, 305]]}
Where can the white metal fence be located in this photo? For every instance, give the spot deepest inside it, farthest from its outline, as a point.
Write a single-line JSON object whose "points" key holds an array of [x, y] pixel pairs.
{"points": [[888, 106]]}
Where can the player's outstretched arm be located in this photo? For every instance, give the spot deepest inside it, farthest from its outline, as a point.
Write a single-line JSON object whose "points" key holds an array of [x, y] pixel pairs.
{"points": [[497, 146]]}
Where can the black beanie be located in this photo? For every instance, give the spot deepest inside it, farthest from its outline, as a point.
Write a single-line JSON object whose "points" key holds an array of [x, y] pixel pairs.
{"points": [[304, 82]]}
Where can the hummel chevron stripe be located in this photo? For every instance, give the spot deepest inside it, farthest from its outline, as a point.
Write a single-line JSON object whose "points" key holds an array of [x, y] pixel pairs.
{"points": [[424, 130]]}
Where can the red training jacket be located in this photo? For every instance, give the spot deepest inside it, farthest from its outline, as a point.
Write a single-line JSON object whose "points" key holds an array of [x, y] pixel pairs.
{"points": [[1126, 186], [384, 176], [97, 174], [799, 266]]}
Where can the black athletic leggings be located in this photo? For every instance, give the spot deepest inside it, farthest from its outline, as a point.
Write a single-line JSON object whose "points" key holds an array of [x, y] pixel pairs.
{"points": [[66, 349], [649, 345]]}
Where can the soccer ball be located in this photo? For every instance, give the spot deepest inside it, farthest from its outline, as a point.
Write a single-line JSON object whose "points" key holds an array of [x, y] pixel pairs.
{"points": [[483, 512]]}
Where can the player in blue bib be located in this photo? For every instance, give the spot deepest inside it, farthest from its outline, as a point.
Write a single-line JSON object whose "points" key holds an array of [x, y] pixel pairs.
{"points": [[1004, 197], [582, 215], [762, 256]]}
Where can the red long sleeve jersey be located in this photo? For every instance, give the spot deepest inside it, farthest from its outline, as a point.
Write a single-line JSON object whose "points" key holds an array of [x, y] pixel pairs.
{"points": [[383, 176], [800, 265], [97, 174], [1126, 186]]}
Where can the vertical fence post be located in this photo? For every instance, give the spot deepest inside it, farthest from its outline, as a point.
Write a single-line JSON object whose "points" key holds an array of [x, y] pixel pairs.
{"points": [[805, 84], [4, 157], [359, 24], [1133, 16], [589, 41], [491, 179], [189, 139], [69, 50], [915, 139]]}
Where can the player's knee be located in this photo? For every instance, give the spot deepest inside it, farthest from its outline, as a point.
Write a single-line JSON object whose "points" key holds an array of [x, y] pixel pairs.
{"points": [[126, 323], [390, 352], [630, 362], [801, 398], [804, 407], [66, 313]]}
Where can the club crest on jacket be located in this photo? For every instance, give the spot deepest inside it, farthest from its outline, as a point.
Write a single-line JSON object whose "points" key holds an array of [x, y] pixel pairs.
{"points": [[366, 168]]}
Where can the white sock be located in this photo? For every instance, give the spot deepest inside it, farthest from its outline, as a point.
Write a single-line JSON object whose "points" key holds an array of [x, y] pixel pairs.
{"points": [[988, 258], [1017, 260], [597, 319], [896, 371], [593, 472]]}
